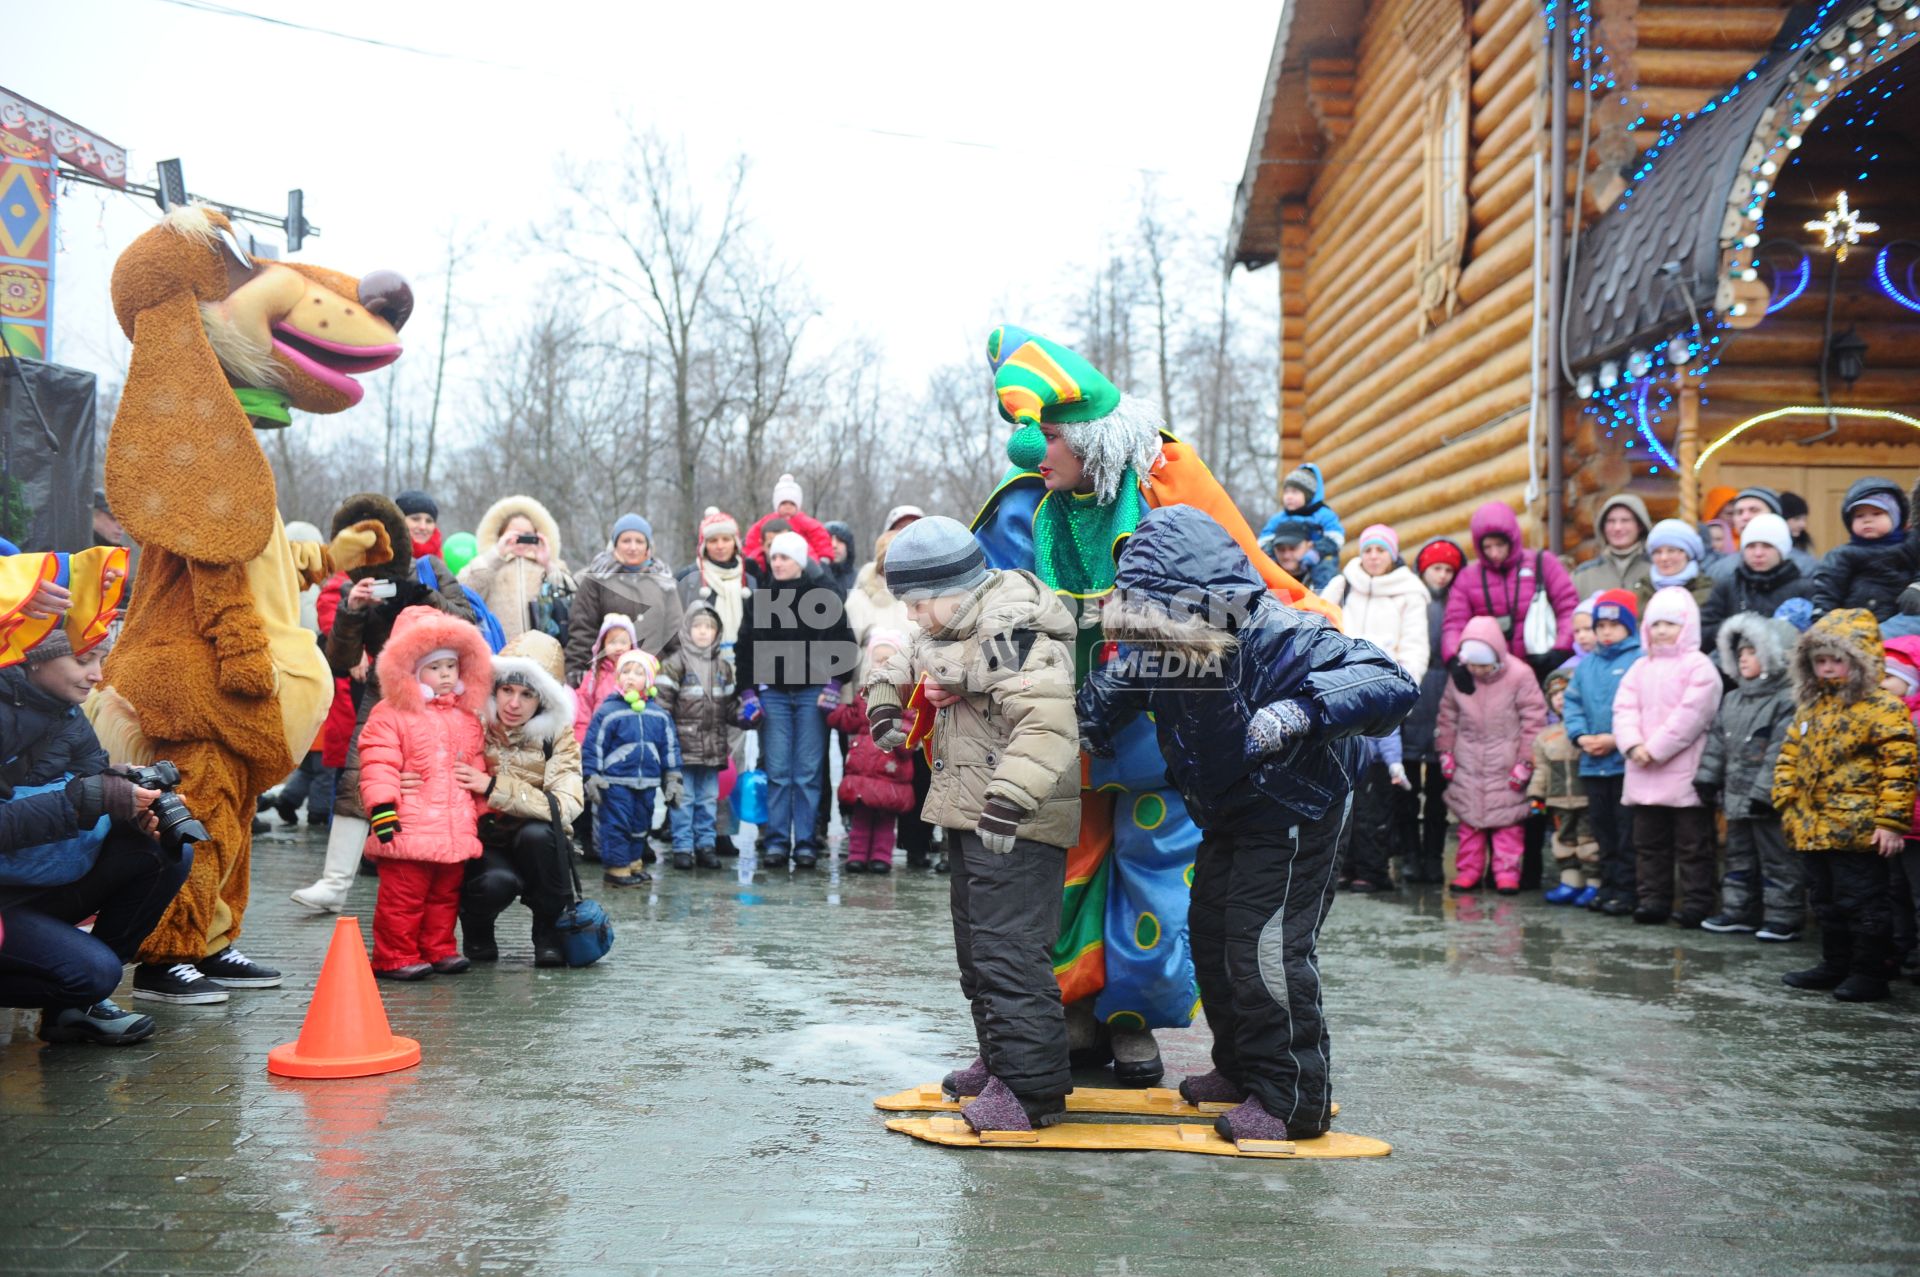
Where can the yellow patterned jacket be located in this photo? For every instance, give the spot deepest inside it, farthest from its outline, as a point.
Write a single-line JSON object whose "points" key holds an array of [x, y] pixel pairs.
{"points": [[1847, 765]]}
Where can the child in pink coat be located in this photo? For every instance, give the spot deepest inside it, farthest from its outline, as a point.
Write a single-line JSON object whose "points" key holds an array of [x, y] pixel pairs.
{"points": [[1485, 738], [435, 676], [1661, 714], [875, 784], [600, 680], [1903, 680]]}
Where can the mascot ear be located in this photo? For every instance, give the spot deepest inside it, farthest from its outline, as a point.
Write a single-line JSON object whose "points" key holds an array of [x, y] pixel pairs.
{"points": [[184, 472]]}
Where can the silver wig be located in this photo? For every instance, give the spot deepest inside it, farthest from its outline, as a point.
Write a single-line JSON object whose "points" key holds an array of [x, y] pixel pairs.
{"points": [[1127, 437]]}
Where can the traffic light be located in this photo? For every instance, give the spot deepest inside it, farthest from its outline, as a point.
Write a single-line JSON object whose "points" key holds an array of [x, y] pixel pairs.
{"points": [[296, 219], [171, 189]]}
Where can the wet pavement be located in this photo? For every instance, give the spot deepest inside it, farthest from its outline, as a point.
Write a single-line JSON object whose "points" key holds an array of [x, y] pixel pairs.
{"points": [[1564, 1093]]}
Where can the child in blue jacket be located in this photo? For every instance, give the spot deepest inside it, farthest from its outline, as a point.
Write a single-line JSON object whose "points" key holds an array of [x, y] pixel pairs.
{"points": [[1603, 770], [1257, 707], [631, 752], [1303, 499]]}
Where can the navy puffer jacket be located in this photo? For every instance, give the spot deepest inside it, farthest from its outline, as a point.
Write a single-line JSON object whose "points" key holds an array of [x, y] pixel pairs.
{"points": [[55, 733], [1179, 563], [1868, 574]]}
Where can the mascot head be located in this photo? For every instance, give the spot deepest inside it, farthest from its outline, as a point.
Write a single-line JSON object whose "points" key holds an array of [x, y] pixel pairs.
{"points": [[221, 342]]}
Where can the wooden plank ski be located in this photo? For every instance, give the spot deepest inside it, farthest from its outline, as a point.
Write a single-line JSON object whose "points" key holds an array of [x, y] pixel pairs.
{"points": [[1152, 1101], [1185, 1137]]}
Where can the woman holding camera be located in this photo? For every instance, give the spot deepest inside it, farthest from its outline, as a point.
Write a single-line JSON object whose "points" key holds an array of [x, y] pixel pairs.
{"points": [[372, 599], [78, 809], [521, 559]]}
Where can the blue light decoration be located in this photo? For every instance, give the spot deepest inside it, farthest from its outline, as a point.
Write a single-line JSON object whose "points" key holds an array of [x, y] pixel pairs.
{"points": [[1802, 276], [1905, 297], [1852, 40]]}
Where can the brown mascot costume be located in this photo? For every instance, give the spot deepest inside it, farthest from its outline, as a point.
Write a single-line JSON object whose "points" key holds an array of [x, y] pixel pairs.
{"points": [[213, 670]]}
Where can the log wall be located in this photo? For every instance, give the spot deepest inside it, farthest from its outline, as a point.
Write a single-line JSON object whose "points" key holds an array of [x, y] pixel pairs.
{"points": [[1417, 429]]}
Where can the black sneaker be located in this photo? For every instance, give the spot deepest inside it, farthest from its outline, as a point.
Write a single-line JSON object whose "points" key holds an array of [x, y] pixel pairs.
{"points": [[1725, 922], [706, 858], [289, 814], [723, 846], [179, 982], [683, 860], [1776, 933], [805, 859], [237, 971], [103, 1022]]}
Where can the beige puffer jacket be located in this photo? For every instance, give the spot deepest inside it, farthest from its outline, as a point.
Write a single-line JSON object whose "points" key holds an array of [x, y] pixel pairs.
{"points": [[1013, 734], [540, 756], [510, 585]]}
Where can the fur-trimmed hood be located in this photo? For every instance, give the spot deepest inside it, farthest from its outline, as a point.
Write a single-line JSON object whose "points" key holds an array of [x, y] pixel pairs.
{"points": [[1771, 639], [1851, 634], [420, 630], [494, 522], [374, 505], [535, 659]]}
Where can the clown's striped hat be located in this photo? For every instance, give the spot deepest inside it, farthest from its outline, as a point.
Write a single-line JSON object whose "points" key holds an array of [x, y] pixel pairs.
{"points": [[1040, 380]]}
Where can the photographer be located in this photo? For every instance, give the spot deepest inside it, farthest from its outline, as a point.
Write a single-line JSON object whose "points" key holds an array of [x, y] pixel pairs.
{"points": [[49, 747], [372, 599]]}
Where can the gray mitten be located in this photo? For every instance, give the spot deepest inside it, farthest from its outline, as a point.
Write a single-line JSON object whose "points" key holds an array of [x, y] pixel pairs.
{"points": [[884, 721], [1275, 727], [999, 825]]}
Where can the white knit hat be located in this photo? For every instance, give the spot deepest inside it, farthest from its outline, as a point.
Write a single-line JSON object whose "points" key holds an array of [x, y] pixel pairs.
{"points": [[787, 489], [789, 545], [1768, 529]]}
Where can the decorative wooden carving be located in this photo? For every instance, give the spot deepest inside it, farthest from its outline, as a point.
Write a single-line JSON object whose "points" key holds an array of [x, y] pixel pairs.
{"points": [[1438, 37]]}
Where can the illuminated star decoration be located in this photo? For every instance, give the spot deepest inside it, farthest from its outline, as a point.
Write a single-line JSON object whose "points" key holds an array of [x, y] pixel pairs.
{"points": [[1842, 228]]}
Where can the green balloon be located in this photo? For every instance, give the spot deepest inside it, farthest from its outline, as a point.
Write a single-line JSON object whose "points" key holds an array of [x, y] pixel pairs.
{"points": [[458, 550]]}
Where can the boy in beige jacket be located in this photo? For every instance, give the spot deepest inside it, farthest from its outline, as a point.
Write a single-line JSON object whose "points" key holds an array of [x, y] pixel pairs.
{"points": [[994, 653]]}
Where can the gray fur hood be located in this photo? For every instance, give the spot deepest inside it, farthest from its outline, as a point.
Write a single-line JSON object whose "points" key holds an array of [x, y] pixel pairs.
{"points": [[1771, 639]]}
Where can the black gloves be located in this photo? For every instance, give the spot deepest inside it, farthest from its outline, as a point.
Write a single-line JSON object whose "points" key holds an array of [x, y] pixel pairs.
{"points": [[103, 795]]}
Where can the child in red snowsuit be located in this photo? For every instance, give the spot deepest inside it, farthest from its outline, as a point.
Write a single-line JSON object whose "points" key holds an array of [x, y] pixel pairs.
{"points": [[876, 784], [435, 675]]}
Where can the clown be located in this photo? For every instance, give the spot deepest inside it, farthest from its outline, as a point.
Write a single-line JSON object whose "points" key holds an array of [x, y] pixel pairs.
{"points": [[1088, 463]]}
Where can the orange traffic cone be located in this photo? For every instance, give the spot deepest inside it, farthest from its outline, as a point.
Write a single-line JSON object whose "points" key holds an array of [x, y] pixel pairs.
{"points": [[346, 1032]]}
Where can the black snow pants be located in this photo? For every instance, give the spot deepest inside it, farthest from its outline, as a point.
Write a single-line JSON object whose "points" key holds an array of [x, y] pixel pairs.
{"points": [[1006, 916], [518, 859], [1259, 897]]}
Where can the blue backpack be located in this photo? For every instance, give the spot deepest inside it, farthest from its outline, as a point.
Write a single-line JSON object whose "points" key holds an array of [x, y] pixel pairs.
{"points": [[482, 615]]}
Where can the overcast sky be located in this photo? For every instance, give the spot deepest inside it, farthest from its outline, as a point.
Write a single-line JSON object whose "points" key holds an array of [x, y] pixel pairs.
{"points": [[930, 169]]}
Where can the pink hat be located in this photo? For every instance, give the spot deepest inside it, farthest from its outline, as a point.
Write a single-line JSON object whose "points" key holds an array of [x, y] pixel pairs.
{"points": [[1380, 534]]}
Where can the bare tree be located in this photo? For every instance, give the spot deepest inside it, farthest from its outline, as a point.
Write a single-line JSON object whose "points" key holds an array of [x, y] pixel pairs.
{"points": [[644, 235], [1154, 247]]}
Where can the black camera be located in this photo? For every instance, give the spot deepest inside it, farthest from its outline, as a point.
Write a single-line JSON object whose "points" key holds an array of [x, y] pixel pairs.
{"points": [[177, 825]]}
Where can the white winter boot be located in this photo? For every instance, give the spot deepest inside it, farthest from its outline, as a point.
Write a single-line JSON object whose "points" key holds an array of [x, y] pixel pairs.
{"points": [[344, 841]]}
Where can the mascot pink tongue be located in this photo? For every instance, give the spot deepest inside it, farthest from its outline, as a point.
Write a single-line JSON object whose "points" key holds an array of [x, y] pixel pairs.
{"points": [[213, 669]]}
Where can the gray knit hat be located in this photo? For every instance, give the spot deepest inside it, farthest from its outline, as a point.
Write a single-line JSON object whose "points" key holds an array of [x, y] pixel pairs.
{"points": [[54, 646], [934, 556]]}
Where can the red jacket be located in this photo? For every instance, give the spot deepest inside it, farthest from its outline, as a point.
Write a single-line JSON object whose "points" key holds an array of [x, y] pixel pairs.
{"points": [[819, 543], [881, 779], [407, 733]]}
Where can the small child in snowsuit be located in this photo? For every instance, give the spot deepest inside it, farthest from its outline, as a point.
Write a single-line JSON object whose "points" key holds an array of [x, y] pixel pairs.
{"points": [[1764, 888], [1875, 565], [435, 677], [1555, 790], [631, 752], [1260, 745], [876, 785], [696, 688], [995, 649], [1589, 715], [1845, 789], [1661, 716], [1485, 737], [1303, 499], [1903, 681], [597, 682]]}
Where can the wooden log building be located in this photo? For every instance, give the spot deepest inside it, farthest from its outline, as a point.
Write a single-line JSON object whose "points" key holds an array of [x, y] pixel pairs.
{"points": [[1446, 339]]}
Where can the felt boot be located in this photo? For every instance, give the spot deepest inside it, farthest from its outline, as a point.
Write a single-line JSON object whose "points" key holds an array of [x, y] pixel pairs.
{"points": [[968, 1081], [1212, 1087], [1252, 1122], [1836, 956], [999, 1109], [344, 841], [1867, 981]]}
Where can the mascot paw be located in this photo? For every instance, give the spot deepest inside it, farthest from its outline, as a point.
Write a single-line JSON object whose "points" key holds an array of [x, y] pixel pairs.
{"points": [[249, 675], [365, 544]]}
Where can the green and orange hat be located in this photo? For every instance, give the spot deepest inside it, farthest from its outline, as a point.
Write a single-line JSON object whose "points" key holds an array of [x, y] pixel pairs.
{"points": [[1038, 380]]}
